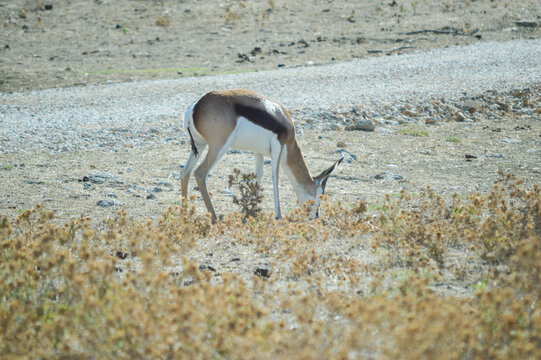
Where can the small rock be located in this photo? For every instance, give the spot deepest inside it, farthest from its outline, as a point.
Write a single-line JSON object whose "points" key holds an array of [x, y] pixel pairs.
{"points": [[121, 255], [105, 203], [151, 196], [227, 192], [512, 141], [96, 180], [112, 195], [264, 273], [470, 157], [207, 267], [363, 125], [503, 106], [256, 50], [529, 24], [409, 113], [103, 177], [303, 42], [335, 127], [340, 144], [460, 116], [472, 106], [388, 176], [243, 57], [430, 121], [164, 183]]}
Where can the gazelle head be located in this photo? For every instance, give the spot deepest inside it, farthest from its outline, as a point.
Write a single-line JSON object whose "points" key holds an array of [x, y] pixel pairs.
{"points": [[320, 182]]}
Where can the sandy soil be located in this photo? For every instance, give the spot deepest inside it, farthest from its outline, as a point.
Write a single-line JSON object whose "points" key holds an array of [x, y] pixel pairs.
{"points": [[450, 156], [94, 42], [47, 44]]}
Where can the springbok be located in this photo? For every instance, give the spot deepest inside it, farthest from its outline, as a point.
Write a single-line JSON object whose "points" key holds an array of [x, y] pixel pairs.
{"points": [[244, 120]]}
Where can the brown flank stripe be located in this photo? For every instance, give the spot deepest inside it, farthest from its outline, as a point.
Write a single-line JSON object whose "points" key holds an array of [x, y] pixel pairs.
{"points": [[261, 118]]}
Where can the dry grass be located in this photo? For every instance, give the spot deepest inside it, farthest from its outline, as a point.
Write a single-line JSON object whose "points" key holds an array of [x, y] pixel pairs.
{"points": [[126, 289]]}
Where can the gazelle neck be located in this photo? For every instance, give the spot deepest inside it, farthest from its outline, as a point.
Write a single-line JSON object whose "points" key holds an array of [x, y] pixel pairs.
{"points": [[298, 173]]}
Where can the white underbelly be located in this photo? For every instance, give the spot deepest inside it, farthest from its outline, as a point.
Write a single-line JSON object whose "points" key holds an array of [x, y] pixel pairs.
{"points": [[252, 137]]}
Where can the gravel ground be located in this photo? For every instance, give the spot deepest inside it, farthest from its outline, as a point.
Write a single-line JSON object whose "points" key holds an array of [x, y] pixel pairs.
{"points": [[115, 115], [450, 118]]}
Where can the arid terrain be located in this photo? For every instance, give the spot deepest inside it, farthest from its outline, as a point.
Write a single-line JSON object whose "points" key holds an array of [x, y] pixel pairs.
{"points": [[76, 43], [429, 242]]}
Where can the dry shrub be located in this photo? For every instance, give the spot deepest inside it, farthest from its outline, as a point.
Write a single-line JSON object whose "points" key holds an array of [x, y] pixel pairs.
{"points": [[230, 15], [163, 21], [250, 193], [124, 289]]}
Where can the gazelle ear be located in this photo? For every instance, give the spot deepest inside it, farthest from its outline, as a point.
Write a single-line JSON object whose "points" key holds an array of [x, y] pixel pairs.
{"points": [[321, 179]]}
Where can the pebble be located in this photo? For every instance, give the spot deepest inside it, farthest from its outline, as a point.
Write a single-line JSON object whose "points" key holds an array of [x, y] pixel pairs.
{"points": [[207, 267], [103, 177], [472, 106], [264, 273], [512, 141], [460, 116], [409, 113], [227, 192], [105, 203], [363, 125], [388, 176]]}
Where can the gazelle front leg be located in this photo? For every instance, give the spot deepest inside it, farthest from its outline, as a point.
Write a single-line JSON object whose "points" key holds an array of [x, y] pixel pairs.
{"points": [[276, 152], [258, 158]]}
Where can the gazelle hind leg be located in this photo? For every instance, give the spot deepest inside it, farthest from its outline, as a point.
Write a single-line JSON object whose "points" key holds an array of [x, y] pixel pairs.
{"points": [[214, 155], [187, 170]]}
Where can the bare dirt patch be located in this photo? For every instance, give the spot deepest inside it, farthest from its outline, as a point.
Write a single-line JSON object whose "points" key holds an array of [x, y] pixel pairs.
{"points": [[69, 43]]}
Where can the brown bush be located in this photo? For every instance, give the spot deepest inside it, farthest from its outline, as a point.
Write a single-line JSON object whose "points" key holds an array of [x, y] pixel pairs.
{"points": [[126, 289]]}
